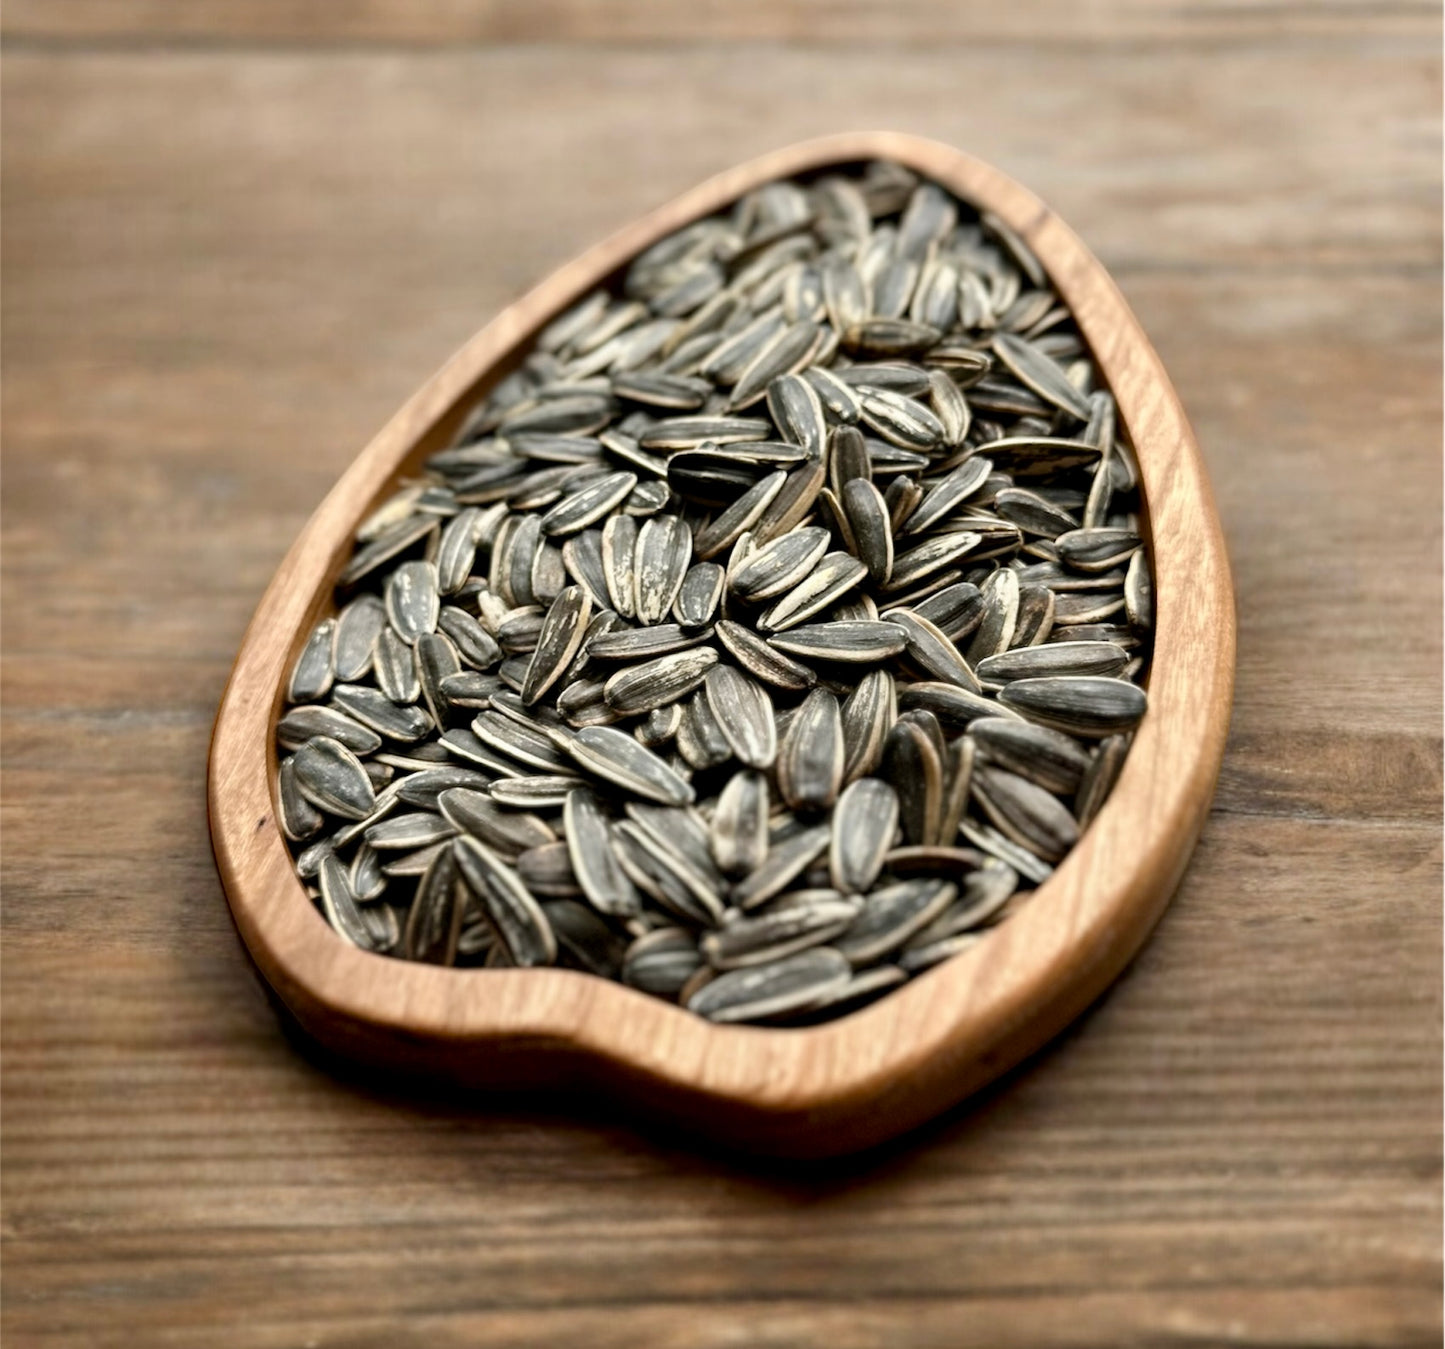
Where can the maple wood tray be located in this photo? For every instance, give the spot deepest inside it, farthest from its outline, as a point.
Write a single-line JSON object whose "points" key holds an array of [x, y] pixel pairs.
{"points": [[872, 1074]]}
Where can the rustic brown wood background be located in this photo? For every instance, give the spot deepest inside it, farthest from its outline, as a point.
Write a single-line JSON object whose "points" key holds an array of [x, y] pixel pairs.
{"points": [[237, 235]]}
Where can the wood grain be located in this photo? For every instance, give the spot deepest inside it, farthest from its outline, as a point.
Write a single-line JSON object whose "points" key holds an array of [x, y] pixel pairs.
{"points": [[213, 310], [832, 22]]}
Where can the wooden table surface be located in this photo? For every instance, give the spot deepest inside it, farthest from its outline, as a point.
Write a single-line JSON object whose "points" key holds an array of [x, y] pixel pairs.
{"points": [[237, 235]]}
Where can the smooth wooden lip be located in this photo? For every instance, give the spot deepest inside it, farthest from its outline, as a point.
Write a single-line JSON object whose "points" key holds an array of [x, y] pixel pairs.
{"points": [[822, 1090]]}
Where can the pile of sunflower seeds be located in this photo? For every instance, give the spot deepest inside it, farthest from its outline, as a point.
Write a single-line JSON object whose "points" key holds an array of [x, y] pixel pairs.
{"points": [[762, 640]]}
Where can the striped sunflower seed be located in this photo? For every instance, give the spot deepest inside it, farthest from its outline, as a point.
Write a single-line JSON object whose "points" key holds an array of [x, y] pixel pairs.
{"points": [[413, 601], [1077, 705], [864, 824], [656, 683], [516, 917], [661, 961], [762, 991], [622, 761], [810, 763], [891, 915], [595, 865], [357, 628], [331, 777], [739, 830], [745, 713], [777, 933]]}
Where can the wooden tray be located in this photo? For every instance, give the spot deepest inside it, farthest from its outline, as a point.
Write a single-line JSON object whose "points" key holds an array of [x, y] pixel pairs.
{"points": [[818, 1091]]}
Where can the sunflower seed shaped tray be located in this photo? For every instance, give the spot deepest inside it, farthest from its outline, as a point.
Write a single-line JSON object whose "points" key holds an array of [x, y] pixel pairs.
{"points": [[751, 625], [765, 637]]}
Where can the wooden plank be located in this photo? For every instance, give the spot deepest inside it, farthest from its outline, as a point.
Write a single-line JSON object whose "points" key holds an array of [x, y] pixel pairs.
{"points": [[207, 315], [1255, 1145], [1035, 22], [1158, 163]]}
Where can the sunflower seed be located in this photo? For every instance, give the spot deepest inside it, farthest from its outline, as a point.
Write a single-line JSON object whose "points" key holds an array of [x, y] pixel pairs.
{"points": [[995, 631], [473, 643], [739, 831], [828, 582], [1025, 812], [457, 550], [1077, 705], [661, 961], [745, 713], [312, 674], [777, 933], [358, 627], [587, 506], [339, 904], [790, 350], [412, 600], [687, 433], [593, 861], [787, 985], [396, 539], [853, 642], [1099, 777], [1032, 513], [797, 411], [619, 548], [779, 565], [1041, 374], [864, 824], [299, 819], [655, 683], [561, 635], [666, 877], [1063, 658], [891, 915], [301, 723], [914, 768], [785, 861], [423, 788], [924, 558], [621, 760], [331, 777], [525, 746], [664, 552], [546, 870], [930, 649], [517, 918], [888, 336], [394, 721], [406, 833], [868, 519], [1049, 758], [867, 714], [810, 764], [944, 498], [761, 659], [742, 515], [955, 610], [582, 558], [660, 725], [510, 832], [436, 661], [901, 420], [700, 741], [1139, 592], [1096, 550]]}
